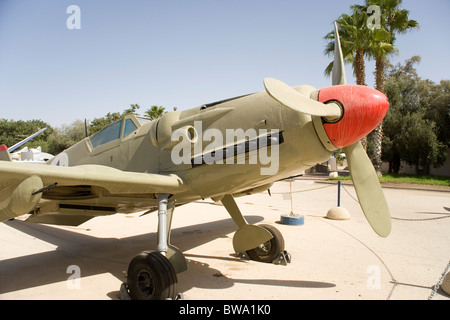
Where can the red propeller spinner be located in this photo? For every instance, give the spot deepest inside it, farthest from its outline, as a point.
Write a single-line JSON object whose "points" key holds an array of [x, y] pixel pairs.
{"points": [[363, 109]]}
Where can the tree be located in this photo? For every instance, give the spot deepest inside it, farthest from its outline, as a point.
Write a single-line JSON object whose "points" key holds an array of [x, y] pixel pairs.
{"points": [[155, 112], [439, 111], [12, 131], [358, 41], [56, 140], [131, 110], [99, 123], [353, 36], [411, 132], [66, 136], [417, 144], [396, 21]]}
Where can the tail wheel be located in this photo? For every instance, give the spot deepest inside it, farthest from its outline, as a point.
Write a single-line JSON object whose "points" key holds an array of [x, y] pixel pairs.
{"points": [[151, 277], [269, 251]]}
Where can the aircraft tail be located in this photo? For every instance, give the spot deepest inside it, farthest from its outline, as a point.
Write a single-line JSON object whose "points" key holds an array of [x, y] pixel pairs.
{"points": [[4, 153]]}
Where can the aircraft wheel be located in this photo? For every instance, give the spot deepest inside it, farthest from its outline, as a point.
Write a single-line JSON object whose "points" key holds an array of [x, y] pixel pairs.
{"points": [[269, 251], [151, 277]]}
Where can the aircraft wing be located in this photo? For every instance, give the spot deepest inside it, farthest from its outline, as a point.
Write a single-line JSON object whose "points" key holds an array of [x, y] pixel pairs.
{"points": [[19, 183], [114, 180]]}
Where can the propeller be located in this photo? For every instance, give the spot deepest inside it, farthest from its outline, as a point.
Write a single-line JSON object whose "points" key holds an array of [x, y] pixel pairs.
{"points": [[293, 99], [363, 112], [338, 71], [370, 195]]}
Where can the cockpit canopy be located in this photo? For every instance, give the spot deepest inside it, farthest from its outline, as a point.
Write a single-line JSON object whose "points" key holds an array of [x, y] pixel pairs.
{"points": [[117, 130]]}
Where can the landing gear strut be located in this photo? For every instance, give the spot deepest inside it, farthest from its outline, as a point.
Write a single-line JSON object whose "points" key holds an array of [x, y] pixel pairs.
{"points": [[261, 243], [152, 275]]}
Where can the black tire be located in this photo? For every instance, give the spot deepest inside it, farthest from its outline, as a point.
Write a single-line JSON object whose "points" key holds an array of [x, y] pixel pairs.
{"points": [[151, 277], [269, 251]]}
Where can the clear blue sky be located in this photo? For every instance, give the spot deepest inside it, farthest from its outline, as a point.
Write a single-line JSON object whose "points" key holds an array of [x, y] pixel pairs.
{"points": [[179, 53]]}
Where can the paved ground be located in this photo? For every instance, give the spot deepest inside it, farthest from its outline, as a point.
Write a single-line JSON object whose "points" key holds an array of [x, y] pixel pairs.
{"points": [[330, 259]]}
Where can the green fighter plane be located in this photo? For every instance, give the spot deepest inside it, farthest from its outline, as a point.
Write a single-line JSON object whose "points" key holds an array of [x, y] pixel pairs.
{"points": [[221, 150]]}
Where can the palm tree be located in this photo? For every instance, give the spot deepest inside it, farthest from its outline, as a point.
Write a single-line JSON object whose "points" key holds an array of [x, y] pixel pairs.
{"points": [[357, 41], [155, 112], [353, 42], [395, 21]]}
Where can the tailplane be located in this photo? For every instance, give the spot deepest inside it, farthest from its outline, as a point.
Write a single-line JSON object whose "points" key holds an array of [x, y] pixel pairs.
{"points": [[4, 153]]}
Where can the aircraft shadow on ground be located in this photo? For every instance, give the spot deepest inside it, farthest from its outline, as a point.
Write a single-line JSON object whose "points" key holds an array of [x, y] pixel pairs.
{"points": [[203, 276], [110, 255]]}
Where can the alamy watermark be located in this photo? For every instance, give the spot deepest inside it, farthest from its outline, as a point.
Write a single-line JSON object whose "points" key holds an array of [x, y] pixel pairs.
{"points": [[73, 282], [374, 20], [374, 280], [237, 147], [73, 22]]}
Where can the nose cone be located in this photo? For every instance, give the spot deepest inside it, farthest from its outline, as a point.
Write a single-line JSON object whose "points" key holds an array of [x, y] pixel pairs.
{"points": [[364, 109]]}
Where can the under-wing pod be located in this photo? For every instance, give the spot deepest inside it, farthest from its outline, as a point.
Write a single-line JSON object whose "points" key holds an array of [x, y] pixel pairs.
{"points": [[20, 198]]}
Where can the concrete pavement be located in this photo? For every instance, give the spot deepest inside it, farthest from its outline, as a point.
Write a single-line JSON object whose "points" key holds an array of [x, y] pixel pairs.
{"points": [[330, 259]]}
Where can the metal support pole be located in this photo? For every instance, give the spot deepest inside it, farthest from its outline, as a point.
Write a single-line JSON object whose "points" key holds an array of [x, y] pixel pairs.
{"points": [[290, 193], [162, 246], [339, 193]]}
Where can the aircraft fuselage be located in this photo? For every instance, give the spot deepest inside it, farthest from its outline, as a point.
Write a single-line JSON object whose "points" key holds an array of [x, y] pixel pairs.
{"points": [[264, 140]]}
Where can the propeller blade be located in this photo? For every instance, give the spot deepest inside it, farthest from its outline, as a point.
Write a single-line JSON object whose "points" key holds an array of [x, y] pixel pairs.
{"points": [[293, 99], [338, 71], [370, 195]]}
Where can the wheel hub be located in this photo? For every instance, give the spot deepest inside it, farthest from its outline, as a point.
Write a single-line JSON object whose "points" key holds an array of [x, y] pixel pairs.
{"points": [[145, 283]]}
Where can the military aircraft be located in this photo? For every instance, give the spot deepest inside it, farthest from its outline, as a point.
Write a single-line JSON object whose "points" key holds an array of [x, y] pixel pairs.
{"points": [[33, 155], [20, 143], [138, 164]]}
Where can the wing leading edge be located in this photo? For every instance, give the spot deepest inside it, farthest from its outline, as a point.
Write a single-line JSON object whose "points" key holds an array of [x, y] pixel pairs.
{"points": [[24, 186]]}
